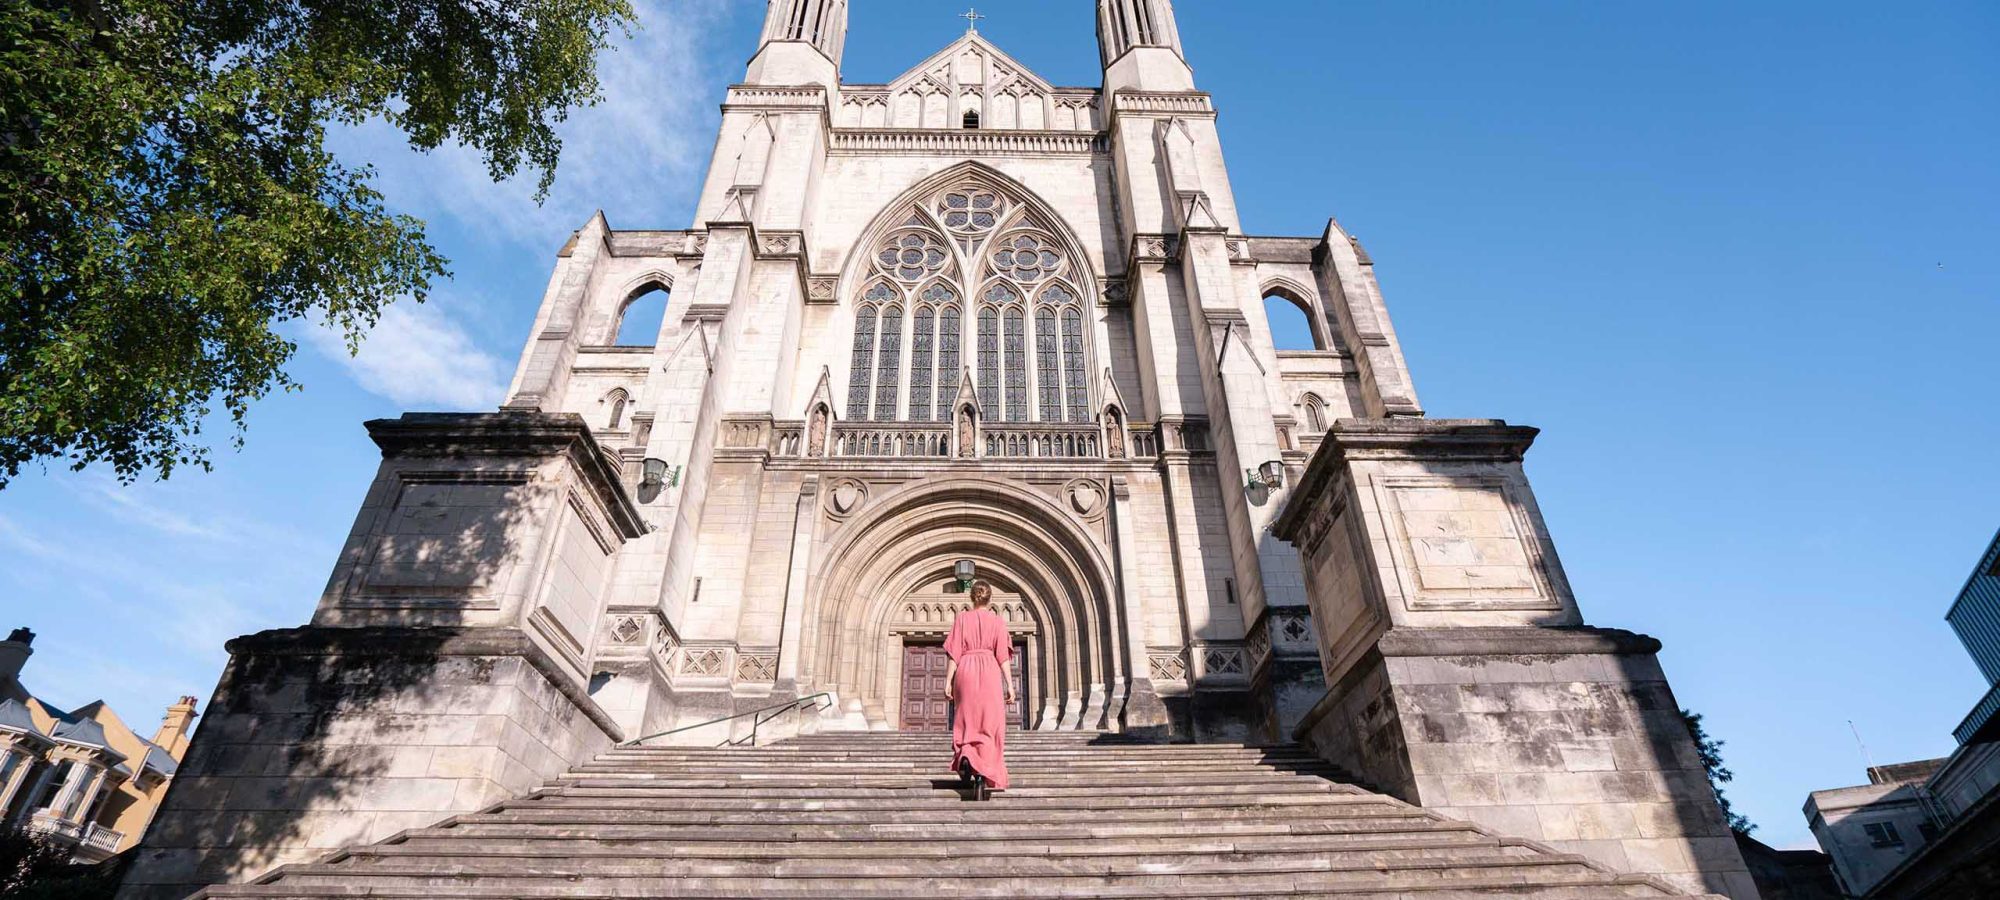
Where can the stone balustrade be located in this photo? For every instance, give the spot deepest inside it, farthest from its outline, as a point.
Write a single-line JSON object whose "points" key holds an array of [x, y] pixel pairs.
{"points": [[1043, 441], [892, 440]]}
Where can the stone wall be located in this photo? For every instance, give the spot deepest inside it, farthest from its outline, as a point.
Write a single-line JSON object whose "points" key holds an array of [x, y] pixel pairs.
{"points": [[1569, 736], [1463, 678], [319, 738]]}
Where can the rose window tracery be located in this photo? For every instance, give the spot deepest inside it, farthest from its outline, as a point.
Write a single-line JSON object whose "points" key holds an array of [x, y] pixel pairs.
{"points": [[1026, 257], [914, 256], [969, 268], [971, 211]]}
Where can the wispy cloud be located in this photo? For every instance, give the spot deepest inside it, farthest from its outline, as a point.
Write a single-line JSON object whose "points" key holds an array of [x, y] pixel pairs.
{"points": [[130, 503], [418, 355]]}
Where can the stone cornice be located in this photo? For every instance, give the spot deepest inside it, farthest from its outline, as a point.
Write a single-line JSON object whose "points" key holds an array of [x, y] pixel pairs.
{"points": [[775, 97], [516, 434], [1413, 438], [967, 142], [1514, 641]]}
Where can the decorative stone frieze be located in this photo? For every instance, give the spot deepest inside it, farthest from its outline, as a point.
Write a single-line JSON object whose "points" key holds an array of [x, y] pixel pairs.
{"points": [[759, 667]]}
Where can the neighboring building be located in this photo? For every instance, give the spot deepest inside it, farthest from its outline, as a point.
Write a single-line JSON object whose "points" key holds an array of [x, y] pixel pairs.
{"points": [[82, 776], [1931, 829], [1871, 829], [965, 316], [1789, 874]]}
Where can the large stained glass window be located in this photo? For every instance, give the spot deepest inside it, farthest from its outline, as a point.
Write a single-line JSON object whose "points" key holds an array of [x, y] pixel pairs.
{"points": [[1074, 367], [920, 364], [989, 361], [1016, 365], [947, 365], [1025, 322], [862, 374], [889, 364], [1048, 377]]}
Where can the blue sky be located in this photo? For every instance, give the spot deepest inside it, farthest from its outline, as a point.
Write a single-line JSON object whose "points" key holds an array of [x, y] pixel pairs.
{"points": [[1737, 261]]}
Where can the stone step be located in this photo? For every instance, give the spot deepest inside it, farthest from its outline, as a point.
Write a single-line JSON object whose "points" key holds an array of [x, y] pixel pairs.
{"points": [[624, 800], [864, 816], [1104, 781], [842, 825], [472, 862], [453, 844], [731, 842], [1163, 751], [1024, 876], [1493, 889], [931, 762]]}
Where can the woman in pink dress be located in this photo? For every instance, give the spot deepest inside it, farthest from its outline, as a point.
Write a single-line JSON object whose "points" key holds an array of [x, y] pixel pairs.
{"points": [[981, 680]]}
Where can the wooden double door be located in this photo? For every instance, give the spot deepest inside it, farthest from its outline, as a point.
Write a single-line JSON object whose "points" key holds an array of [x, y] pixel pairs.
{"points": [[924, 688]]}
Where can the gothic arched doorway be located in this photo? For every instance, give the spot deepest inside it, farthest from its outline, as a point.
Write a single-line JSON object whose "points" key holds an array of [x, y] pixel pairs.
{"points": [[882, 586]]}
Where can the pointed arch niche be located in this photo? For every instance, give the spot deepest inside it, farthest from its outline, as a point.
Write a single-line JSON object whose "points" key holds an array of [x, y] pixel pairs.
{"points": [[640, 315], [970, 271]]}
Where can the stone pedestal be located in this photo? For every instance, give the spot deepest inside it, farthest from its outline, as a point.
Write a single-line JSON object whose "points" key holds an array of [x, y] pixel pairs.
{"points": [[320, 738], [444, 671], [1460, 674]]}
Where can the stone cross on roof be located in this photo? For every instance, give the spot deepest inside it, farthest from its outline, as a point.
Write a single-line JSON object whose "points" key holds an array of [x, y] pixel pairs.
{"points": [[971, 17]]}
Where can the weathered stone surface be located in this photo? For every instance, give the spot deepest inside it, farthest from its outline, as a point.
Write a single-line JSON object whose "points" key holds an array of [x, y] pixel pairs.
{"points": [[319, 738]]}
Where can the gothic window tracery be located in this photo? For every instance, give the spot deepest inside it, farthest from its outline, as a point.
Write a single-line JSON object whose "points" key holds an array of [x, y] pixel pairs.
{"points": [[1025, 320]]}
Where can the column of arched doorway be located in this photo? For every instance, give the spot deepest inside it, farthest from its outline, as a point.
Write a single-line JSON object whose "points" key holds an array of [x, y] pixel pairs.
{"points": [[899, 543]]}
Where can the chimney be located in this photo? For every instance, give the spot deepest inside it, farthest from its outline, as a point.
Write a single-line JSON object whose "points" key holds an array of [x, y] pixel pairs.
{"points": [[14, 653], [173, 733]]}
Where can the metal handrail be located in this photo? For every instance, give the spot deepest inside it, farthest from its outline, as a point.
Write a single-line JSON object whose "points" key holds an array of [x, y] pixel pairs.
{"points": [[821, 701]]}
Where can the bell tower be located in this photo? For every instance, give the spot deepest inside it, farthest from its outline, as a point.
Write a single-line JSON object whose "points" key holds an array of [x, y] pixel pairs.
{"points": [[1141, 46], [801, 44]]}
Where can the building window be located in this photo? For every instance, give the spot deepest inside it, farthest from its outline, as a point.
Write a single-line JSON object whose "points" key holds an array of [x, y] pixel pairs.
{"points": [[1315, 413], [1073, 365], [1048, 380], [617, 398], [1928, 831], [947, 360], [641, 317], [920, 364], [1883, 834], [889, 364], [971, 118], [53, 784], [972, 266], [989, 362], [1016, 364]]}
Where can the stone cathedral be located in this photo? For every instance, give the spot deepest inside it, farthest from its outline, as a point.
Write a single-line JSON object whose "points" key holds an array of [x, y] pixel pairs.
{"points": [[966, 318]]}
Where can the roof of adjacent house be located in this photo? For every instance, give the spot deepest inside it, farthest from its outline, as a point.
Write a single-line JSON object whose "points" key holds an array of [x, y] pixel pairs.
{"points": [[14, 714], [159, 760]]}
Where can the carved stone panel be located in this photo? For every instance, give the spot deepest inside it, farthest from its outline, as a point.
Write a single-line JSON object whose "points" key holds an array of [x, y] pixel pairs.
{"points": [[1462, 542]]}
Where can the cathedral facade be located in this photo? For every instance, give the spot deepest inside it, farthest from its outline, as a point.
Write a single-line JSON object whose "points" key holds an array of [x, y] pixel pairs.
{"points": [[965, 324], [965, 315]]}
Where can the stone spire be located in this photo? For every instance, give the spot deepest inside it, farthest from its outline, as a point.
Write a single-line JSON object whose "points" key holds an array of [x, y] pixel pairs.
{"points": [[802, 43], [1141, 46]]}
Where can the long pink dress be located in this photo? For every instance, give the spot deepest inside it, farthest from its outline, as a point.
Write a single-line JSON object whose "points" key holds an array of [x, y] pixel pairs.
{"points": [[980, 645]]}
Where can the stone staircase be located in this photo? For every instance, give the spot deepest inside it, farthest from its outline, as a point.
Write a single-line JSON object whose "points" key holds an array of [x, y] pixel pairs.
{"points": [[876, 815]]}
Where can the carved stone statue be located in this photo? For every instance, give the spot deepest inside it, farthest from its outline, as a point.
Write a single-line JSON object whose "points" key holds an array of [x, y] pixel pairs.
{"points": [[967, 440], [1114, 436], [816, 433]]}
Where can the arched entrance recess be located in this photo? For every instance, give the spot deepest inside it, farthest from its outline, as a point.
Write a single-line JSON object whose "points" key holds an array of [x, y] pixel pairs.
{"points": [[901, 548]]}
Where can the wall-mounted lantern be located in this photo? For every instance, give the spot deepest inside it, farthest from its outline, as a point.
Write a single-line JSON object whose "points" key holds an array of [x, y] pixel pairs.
{"points": [[963, 571], [656, 475], [1267, 477]]}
